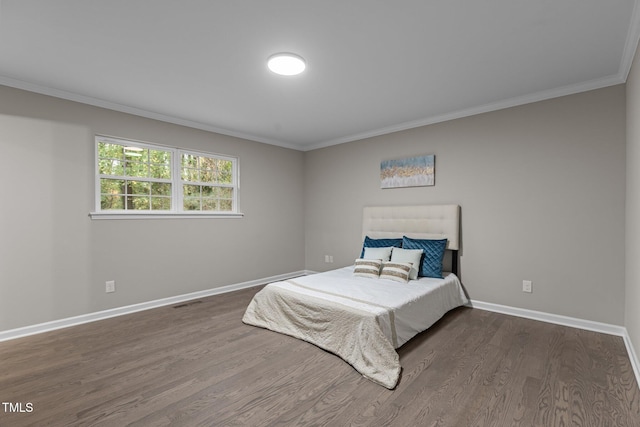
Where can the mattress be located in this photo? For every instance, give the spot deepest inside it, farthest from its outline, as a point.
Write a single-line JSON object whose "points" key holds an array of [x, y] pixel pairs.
{"points": [[362, 320]]}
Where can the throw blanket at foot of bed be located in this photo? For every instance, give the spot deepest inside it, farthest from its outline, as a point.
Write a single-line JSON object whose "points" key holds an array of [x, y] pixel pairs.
{"points": [[352, 334]]}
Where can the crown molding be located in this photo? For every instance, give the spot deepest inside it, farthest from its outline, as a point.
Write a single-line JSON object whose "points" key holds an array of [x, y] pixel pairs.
{"points": [[96, 102], [631, 43], [486, 108]]}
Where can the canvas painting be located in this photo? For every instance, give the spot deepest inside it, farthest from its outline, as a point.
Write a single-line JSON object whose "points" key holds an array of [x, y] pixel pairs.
{"points": [[410, 172]]}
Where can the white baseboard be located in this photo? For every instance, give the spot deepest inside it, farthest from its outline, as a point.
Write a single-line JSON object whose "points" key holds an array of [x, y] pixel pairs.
{"points": [[633, 357], [573, 322], [551, 318], [119, 311]]}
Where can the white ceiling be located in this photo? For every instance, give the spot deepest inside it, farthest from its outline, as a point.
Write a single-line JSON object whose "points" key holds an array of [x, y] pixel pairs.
{"points": [[373, 66]]}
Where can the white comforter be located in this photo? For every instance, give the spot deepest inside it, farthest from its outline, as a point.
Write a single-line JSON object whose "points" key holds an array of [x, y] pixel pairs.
{"points": [[361, 320]]}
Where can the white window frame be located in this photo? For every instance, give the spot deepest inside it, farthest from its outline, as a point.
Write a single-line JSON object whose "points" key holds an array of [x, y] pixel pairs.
{"points": [[177, 209]]}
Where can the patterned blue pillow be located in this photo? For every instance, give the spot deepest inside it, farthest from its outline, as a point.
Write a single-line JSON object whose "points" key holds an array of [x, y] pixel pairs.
{"points": [[431, 265], [379, 243]]}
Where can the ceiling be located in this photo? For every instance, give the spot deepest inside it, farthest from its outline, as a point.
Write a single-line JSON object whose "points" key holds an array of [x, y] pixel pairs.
{"points": [[373, 66]]}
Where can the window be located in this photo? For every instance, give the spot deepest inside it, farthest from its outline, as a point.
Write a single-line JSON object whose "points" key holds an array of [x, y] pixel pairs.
{"points": [[135, 179], [207, 183]]}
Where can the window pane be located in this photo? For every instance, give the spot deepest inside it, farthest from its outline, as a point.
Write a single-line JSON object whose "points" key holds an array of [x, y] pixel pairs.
{"points": [[191, 190], [189, 174], [206, 169], [209, 204], [160, 189], [138, 203], [111, 151], [161, 203], [137, 169], [226, 205], [207, 191], [161, 157], [136, 154], [112, 186], [191, 204], [139, 187], [110, 167], [189, 160], [225, 192], [225, 175], [161, 171], [208, 163], [109, 202], [208, 175]]}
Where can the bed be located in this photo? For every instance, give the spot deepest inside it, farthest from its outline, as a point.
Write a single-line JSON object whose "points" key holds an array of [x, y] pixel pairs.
{"points": [[365, 319]]}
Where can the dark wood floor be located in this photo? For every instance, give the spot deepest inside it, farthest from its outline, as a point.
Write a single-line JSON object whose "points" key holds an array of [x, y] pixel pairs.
{"points": [[198, 365]]}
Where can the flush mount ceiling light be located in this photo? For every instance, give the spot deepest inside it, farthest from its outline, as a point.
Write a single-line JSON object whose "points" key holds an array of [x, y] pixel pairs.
{"points": [[286, 64]]}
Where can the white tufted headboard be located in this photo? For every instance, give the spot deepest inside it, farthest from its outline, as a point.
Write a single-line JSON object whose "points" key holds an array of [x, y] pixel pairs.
{"points": [[418, 222]]}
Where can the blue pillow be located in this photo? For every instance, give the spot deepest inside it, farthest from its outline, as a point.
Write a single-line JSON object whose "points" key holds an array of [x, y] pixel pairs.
{"points": [[379, 243], [431, 265]]}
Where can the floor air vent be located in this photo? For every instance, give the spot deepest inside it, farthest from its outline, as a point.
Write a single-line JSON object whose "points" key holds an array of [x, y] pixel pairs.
{"points": [[186, 304]]}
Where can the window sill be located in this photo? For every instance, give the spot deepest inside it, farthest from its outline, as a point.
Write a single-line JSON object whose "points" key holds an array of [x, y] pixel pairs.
{"points": [[162, 215]]}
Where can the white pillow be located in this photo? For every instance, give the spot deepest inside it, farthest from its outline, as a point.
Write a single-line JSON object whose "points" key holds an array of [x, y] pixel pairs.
{"points": [[377, 253], [367, 268], [397, 271], [408, 255]]}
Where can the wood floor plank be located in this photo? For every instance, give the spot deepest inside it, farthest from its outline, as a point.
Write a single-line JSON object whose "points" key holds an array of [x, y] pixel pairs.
{"points": [[199, 365]]}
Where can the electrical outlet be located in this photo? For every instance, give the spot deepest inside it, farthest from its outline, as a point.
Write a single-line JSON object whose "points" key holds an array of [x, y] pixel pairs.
{"points": [[110, 286], [527, 286]]}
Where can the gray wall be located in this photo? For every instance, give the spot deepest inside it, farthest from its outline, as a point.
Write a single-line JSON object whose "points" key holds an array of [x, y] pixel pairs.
{"points": [[54, 260], [542, 191], [632, 297]]}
